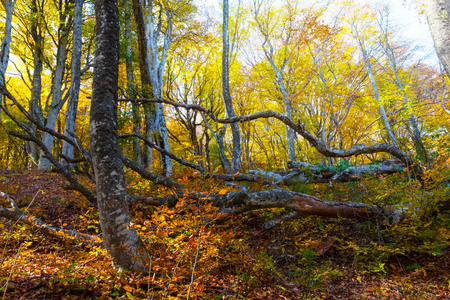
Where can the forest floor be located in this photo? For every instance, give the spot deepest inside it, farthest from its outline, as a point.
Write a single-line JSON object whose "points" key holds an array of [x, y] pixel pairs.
{"points": [[192, 257]]}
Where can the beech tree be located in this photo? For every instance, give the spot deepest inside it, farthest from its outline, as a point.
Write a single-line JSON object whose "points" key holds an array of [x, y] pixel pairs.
{"points": [[65, 18], [36, 86], [438, 19], [146, 85], [119, 238], [6, 40], [265, 30], [235, 160], [72, 105], [389, 50], [156, 60], [359, 35], [130, 82]]}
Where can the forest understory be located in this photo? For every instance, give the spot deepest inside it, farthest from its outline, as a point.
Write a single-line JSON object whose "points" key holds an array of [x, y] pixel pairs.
{"points": [[244, 150], [196, 251]]}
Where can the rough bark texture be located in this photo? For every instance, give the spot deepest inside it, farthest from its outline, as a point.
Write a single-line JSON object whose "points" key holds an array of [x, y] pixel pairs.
{"points": [[240, 202], [72, 105], [119, 238], [235, 160], [304, 172], [438, 14]]}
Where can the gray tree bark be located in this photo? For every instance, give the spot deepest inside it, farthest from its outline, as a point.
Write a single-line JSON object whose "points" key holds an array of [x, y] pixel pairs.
{"points": [[130, 84], [269, 52], [389, 52], [57, 102], [366, 58], [149, 109], [119, 238], [156, 59], [6, 40], [235, 160], [240, 202], [5, 45], [438, 14], [219, 139], [35, 109], [72, 105]]}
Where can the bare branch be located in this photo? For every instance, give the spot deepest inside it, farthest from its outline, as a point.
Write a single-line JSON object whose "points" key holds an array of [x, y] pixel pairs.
{"points": [[157, 179], [17, 215], [165, 152], [301, 130], [224, 177]]}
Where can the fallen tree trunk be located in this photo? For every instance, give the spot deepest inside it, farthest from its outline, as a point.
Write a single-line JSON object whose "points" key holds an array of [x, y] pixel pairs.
{"points": [[318, 173], [15, 214], [299, 204], [239, 202], [302, 172]]}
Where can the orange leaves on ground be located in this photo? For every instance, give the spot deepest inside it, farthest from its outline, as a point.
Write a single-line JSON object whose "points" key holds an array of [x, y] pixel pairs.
{"points": [[222, 192]]}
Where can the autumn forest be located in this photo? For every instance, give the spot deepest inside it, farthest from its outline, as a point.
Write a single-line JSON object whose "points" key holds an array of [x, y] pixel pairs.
{"points": [[257, 149]]}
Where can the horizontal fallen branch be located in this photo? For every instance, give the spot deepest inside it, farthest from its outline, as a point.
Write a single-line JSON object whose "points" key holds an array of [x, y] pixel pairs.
{"points": [[305, 172], [15, 214], [235, 203]]}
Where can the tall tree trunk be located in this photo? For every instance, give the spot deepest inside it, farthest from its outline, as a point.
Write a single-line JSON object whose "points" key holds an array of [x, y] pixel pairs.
{"points": [[149, 109], [365, 56], [8, 5], [438, 14], [6, 41], [156, 59], [389, 52], [235, 160], [380, 105], [72, 105], [130, 85], [287, 110], [36, 88], [269, 52], [119, 238], [57, 101]]}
